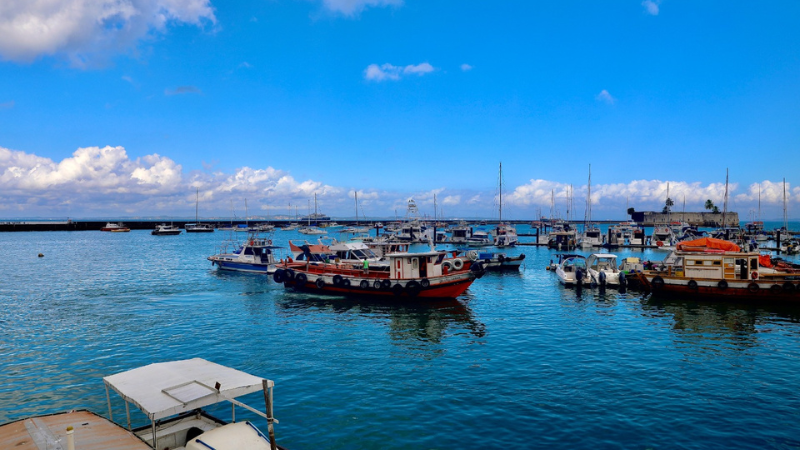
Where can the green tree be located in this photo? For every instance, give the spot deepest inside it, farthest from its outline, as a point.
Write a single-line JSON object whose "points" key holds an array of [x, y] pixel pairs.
{"points": [[715, 210], [668, 206], [710, 205], [631, 211]]}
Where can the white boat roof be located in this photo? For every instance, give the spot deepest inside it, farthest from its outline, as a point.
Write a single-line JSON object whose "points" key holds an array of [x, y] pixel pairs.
{"points": [[412, 255], [165, 389], [603, 255]]}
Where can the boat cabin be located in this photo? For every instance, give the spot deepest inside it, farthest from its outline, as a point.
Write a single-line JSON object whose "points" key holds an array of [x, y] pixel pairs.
{"points": [[406, 266], [718, 266]]}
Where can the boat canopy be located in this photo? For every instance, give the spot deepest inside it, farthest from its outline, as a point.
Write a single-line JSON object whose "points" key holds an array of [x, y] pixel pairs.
{"points": [[704, 244], [165, 389]]}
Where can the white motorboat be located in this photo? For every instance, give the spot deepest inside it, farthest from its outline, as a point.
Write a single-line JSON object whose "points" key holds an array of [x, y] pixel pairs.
{"points": [[603, 270], [166, 230], [256, 254], [571, 271], [311, 230], [663, 238]]}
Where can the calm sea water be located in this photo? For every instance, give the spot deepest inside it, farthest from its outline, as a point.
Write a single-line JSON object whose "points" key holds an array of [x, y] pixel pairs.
{"points": [[517, 362]]}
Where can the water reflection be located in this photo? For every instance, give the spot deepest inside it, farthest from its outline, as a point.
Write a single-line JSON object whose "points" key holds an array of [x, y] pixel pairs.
{"points": [[703, 322], [411, 321]]}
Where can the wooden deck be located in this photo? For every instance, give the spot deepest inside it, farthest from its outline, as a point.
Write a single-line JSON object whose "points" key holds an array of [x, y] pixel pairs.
{"points": [[92, 432]]}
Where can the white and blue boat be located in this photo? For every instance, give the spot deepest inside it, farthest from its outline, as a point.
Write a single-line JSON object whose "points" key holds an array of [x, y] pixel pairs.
{"points": [[256, 255]]}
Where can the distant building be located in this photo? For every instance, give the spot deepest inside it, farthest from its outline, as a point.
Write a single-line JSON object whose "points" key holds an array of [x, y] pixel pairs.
{"points": [[701, 219]]}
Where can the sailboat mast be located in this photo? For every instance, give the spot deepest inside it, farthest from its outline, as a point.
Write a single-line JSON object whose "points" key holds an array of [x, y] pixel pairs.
{"points": [[785, 221], [196, 202], [501, 192], [725, 203]]}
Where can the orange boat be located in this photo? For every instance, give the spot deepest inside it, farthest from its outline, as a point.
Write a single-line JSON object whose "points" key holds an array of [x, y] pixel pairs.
{"points": [[715, 268], [427, 275]]}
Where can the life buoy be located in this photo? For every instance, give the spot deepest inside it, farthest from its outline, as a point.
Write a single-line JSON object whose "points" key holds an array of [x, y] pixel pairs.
{"points": [[754, 275], [692, 285], [657, 283], [251, 242], [753, 287], [472, 255], [364, 284], [320, 283], [458, 264], [659, 244], [722, 285], [447, 265]]}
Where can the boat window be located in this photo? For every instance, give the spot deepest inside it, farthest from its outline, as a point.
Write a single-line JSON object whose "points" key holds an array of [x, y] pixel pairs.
{"points": [[414, 263], [753, 264], [690, 262]]}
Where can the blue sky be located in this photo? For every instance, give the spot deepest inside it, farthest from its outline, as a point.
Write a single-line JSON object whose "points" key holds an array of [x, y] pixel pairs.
{"points": [[124, 108]]}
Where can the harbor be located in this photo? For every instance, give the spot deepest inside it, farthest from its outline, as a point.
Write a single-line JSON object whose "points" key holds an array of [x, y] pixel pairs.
{"points": [[551, 361]]}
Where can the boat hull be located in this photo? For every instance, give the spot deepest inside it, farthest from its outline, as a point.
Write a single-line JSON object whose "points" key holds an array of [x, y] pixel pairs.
{"points": [[242, 266], [758, 290], [350, 283]]}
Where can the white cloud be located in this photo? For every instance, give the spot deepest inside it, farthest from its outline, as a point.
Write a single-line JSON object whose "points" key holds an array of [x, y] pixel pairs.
{"points": [[651, 7], [105, 181], [353, 7], [374, 72], [80, 30], [182, 90], [466, 67], [451, 200], [605, 97]]}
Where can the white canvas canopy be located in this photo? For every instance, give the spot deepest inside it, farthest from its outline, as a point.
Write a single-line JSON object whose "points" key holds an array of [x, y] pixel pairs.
{"points": [[165, 389]]}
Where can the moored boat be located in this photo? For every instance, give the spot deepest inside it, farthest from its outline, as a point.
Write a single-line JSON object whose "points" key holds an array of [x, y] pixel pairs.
{"points": [[173, 396], [603, 270], [166, 230], [115, 227], [497, 261], [427, 275], [255, 254], [714, 268], [571, 270]]}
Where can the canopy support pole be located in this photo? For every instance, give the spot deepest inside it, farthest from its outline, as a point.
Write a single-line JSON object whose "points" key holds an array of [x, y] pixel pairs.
{"points": [[108, 399], [128, 414], [155, 439], [270, 418]]}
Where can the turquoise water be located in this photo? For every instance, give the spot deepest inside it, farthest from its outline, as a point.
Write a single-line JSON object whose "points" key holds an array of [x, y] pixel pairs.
{"points": [[517, 362]]}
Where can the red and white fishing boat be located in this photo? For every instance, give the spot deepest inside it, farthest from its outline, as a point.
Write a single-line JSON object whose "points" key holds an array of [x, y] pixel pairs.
{"points": [[115, 227], [715, 268], [431, 274]]}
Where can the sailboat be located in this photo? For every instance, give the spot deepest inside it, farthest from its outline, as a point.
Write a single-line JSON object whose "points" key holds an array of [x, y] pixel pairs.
{"points": [[198, 227], [357, 228], [309, 229], [591, 237], [505, 235]]}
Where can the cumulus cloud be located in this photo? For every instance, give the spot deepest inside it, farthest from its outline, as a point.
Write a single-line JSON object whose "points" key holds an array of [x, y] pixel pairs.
{"points": [[374, 72], [80, 30], [105, 181], [651, 7], [353, 7], [466, 67], [605, 97]]}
